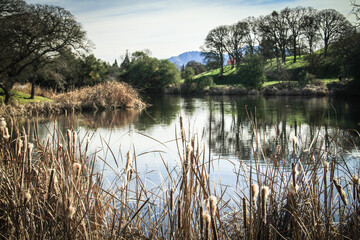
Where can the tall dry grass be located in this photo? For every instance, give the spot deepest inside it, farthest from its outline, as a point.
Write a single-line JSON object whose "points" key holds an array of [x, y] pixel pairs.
{"points": [[51, 190], [108, 95]]}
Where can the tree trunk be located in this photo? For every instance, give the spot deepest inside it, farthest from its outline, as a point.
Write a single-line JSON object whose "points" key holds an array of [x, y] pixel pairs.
{"points": [[221, 66], [294, 45], [32, 95], [7, 96]]}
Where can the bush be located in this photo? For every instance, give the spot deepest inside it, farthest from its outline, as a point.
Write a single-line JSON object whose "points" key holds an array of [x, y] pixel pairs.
{"points": [[252, 73], [204, 82], [304, 77]]}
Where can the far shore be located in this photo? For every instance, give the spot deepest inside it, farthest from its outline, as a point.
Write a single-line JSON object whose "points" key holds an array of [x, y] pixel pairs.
{"points": [[316, 89]]}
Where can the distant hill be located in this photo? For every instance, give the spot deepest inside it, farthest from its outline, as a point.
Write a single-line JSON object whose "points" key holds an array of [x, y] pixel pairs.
{"points": [[186, 57]]}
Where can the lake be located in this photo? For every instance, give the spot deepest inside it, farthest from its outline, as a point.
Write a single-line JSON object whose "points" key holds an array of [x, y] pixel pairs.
{"points": [[240, 128]]}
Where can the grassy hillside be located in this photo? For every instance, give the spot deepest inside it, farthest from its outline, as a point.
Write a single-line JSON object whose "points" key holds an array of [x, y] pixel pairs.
{"points": [[231, 78], [22, 98]]}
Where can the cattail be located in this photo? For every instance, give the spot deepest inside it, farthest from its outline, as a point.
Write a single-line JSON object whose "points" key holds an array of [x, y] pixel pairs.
{"points": [[340, 191], [213, 205], [30, 148], [326, 167], [19, 145], [128, 168], [188, 156], [171, 200], [2, 123], [77, 168], [254, 191], [70, 211], [3, 129], [294, 141], [265, 191], [204, 175], [6, 134], [293, 189], [356, 182], [207, 220], [182, 129], [244, 213], [293, 186], [27, 197], [54, 178], [74, 137]]}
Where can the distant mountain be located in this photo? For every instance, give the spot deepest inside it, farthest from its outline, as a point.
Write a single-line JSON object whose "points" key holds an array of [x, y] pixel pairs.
{"points": [[186, 57]]}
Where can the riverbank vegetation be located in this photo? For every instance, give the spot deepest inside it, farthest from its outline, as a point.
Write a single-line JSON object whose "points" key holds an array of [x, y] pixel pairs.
{"points": [[51, 188], [104, 96]]}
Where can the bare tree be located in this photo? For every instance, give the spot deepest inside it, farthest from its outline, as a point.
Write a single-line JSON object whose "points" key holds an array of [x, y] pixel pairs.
{"points": [[311, 28], [295, 20], [215, 43], [332, 26]]}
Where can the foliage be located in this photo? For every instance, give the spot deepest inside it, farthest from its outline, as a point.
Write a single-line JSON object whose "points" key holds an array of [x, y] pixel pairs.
{"points": [[196, 66], [150, 74], [252, 72], [304, 77], [32, 35]]}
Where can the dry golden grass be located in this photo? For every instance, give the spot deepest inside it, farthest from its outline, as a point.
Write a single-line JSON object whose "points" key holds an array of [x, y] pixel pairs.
{"points": [[109, 95], [50, 189]]}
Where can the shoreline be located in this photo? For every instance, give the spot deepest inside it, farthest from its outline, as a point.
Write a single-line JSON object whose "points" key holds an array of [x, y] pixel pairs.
{"points": [[317, 89]]}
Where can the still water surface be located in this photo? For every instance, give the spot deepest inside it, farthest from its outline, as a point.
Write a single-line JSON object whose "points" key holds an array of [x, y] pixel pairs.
{"points": [[232, 123]]}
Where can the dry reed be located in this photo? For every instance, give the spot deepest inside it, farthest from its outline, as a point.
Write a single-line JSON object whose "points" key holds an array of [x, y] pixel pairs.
{"points": [[50, 189]]}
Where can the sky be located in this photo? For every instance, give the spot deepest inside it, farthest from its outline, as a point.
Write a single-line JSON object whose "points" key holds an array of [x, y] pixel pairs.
{"points": [[168, 27]]}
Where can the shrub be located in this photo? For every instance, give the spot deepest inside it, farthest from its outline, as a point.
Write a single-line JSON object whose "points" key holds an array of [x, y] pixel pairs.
{"points": [[304, 77], [252, 73]]}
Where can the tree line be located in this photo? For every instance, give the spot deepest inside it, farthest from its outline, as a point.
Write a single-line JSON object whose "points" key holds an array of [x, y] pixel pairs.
{"points": [[291, 31], [46, 46], [31, 37]]}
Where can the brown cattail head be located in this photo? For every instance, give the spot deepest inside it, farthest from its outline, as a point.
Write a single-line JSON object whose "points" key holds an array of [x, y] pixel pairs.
{"points": [[129, 161], [355, 180], [204, 175], [74, 137], [295, 142], [6, 134], [293, 189], [326, 166], [206, 217], [182, 129], [171, 200], [211, 205], [340, 191], [70, 212], [188, 157], [69, 136], [265, 191], [77, 169], [254, 191], [27, 196], [2, 123], [19, 145], [30, 148]]}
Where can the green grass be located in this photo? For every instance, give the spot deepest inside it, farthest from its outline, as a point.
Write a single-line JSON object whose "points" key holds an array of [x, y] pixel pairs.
{"points": [[22, 98], [230, 77], [289, 63]]}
